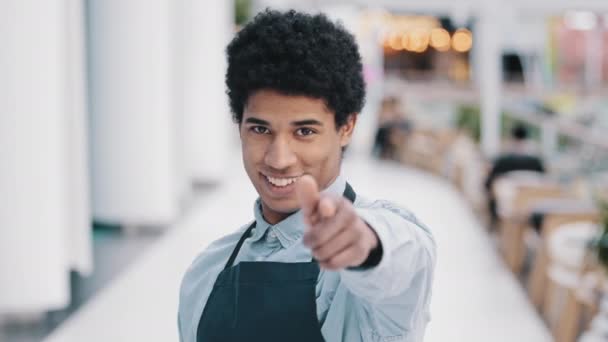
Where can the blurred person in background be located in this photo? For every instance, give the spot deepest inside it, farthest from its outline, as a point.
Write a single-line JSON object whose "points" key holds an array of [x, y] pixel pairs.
{"points": [[520, 154], [319, 262], [520, 142], [392, 132]]}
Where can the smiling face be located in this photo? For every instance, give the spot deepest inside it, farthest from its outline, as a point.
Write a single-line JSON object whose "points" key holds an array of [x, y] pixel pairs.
{"points": [[284, 137]]}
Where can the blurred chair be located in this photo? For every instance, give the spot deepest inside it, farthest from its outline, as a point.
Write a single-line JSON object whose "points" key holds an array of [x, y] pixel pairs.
{"points": [[567, 249], [554, 218], [421, 150], [516, 194], [393, 130], [597, 329], [427, 149], [465, 166]]}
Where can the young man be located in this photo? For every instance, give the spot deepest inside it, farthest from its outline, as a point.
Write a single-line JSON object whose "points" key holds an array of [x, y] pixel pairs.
{"points": [[318, 262]]}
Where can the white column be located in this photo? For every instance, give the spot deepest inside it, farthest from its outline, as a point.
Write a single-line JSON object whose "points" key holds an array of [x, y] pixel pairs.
{"points": [[34, 159], [133, 125], [79, 204], [372, 55], [372, 59], [373, 67], [489, 77], [208, 136]]}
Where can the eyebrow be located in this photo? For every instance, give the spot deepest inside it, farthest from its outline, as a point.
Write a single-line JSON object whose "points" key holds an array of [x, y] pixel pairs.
{"points": [[309, 122], [257, 121]]}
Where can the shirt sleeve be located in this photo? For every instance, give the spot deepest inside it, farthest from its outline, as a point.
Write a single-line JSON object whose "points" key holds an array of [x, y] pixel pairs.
{"points": [[179, 329], [408, 254]]}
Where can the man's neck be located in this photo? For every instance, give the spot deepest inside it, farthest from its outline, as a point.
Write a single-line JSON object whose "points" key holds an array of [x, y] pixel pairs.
{"points": [[271, 216]]}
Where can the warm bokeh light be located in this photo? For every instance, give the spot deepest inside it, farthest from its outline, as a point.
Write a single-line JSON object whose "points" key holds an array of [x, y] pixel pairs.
{"points": [[418, 40], [395, 42], [462, 41], [405, 40], [411, 33], [440, 39]]}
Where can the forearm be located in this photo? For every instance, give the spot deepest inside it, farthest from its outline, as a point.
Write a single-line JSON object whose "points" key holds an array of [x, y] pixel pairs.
{"points": [[407, 249]]}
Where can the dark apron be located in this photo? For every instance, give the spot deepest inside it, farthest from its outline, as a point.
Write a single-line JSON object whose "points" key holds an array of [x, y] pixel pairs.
{"points": [[263, 301]]}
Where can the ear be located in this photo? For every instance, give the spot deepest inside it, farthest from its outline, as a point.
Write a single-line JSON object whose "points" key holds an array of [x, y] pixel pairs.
{"points": [[346, 131]]}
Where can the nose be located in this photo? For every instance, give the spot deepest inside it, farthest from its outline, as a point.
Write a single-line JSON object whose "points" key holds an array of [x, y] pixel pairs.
{"points": [[279, 154]]}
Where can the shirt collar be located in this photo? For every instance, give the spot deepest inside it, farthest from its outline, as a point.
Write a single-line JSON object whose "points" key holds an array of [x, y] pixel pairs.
{"points": [[291, 229]]}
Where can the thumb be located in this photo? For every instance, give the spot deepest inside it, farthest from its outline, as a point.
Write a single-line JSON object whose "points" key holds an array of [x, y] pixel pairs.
{"points": [[307, 192], [327, 207]]}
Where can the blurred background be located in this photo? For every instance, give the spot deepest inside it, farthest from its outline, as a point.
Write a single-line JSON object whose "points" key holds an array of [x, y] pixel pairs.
{"points": [[119, 162]]}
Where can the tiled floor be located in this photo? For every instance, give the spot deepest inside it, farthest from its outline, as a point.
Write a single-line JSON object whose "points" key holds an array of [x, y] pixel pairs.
{"points": [[475, 298]]}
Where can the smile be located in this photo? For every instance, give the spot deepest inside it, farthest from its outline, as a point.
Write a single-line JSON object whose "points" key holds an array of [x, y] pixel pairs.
{"points": [[282, 181]]}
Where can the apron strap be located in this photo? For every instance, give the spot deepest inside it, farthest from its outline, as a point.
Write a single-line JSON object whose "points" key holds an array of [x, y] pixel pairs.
{"points": [[235, 252], [349, 193]]}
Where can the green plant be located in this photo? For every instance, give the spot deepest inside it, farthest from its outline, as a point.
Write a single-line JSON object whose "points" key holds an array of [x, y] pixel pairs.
{"points": [[508, 122], [242, 11], [468, 119]]}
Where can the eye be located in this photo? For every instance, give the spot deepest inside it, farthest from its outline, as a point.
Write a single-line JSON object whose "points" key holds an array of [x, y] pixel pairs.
{"points": [[304, 131], [259, 129]]}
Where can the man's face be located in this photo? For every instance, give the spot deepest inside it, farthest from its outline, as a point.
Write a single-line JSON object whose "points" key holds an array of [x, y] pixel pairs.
{"points": [[284, 137]]}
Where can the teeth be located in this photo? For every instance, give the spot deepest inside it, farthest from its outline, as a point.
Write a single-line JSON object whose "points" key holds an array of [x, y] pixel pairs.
{"points": [[281, 182]]}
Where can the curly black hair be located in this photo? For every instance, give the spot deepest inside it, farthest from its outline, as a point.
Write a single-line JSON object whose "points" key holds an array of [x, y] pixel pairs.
{"points": [[296, 53]]}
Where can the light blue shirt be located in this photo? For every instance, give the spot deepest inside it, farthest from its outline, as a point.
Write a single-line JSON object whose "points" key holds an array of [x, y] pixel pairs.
{"points": [[389, 302]]}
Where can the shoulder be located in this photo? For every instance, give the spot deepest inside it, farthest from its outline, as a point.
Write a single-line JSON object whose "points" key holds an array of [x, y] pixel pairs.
{"points": [[207, 265], [388, 208], [212, 256]]}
